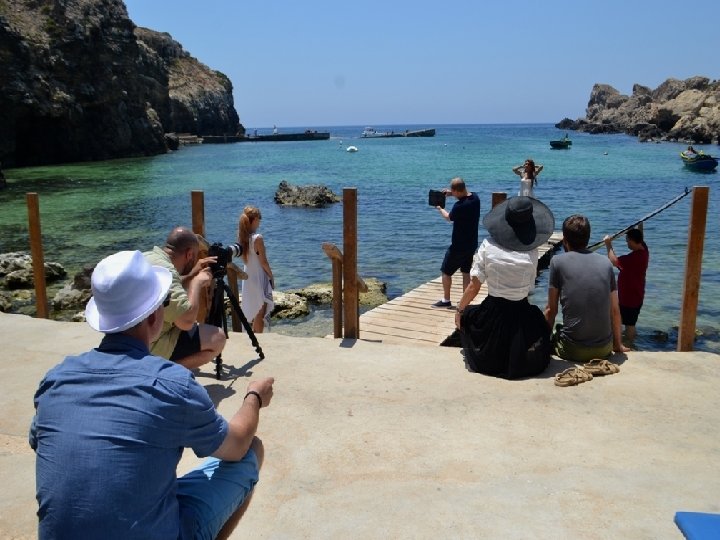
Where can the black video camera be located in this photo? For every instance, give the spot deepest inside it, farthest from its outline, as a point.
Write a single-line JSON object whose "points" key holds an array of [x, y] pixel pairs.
{"points": [[224, 256]]}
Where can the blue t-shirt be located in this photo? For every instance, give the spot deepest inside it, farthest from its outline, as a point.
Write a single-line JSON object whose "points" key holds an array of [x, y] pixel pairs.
{"points": [[465, 216], [109, 429]]}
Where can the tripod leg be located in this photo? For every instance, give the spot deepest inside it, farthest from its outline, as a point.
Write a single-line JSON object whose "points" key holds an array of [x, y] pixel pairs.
{"points": [[216, 317], [246, 325]]}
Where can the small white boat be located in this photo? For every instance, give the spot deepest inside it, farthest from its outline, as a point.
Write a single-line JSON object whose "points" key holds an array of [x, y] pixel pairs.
{"points": [[351, 149]]}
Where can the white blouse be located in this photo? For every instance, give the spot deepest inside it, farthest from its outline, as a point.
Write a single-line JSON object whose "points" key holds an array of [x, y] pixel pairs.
{"points": [[508, 274]]}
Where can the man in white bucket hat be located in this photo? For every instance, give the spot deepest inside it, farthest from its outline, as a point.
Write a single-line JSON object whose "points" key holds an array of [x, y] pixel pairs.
{"points": [[111, 424]]}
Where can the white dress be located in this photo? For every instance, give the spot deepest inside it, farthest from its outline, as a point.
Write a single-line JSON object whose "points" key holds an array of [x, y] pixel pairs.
{"points": [[526, 187], [256, 289]]}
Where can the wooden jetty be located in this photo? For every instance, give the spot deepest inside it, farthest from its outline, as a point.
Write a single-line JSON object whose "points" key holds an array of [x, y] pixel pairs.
{"points": [[409, 319]]}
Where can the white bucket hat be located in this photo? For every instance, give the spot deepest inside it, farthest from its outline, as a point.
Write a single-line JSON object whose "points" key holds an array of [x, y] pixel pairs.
{"points": [[126, 290]]}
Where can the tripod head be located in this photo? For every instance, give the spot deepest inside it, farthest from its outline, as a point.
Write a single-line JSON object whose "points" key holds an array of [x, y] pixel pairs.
{"points": [[224, 256]]}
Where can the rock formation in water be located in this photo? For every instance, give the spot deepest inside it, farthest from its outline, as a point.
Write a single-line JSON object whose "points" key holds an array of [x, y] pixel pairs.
{"points": [[686, 110], [314, 195], [81, 82]]}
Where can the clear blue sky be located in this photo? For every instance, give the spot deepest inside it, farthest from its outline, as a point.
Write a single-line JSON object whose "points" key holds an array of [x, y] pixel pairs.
{"points": [[372, 62]]}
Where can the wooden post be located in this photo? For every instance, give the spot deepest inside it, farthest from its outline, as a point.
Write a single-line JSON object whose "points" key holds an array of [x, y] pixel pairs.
{"points": [[693, 268], [197, 203], [498, 197], [350, 289], [337, 273], [233, 272], [197, 199], [38, 259]]}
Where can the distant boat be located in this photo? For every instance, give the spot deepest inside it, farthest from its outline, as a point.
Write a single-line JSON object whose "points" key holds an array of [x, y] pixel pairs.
{"points": [[351, 149], [699, 162], [307, 135], [565, 142], [372, 133]]}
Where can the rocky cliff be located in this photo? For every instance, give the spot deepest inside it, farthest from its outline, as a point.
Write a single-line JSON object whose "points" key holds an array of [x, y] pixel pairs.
{"points": [[686, 110], [201, 100], [81, 82]]}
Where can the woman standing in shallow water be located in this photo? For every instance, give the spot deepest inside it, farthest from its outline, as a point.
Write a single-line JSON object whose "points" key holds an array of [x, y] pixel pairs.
{"points": [[257, 301], [528, 173]]}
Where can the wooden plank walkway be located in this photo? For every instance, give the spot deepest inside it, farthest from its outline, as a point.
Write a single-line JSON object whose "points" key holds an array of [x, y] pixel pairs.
{"points": [[409, 319]]}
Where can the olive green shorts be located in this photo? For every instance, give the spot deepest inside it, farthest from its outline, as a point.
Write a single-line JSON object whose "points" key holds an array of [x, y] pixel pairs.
{"points": [[578, 353]]}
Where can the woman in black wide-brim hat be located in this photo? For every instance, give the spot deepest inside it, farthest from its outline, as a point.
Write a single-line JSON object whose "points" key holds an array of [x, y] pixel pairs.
{"points": [[506, 336]]}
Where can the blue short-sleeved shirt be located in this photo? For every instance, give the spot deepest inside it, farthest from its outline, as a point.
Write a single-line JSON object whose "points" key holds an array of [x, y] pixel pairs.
{"points": [[109, 429]]}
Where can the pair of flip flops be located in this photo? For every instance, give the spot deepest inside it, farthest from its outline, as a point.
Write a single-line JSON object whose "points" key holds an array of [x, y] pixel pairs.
{"points": [[572, 377], [599, 367], [577, 375]]}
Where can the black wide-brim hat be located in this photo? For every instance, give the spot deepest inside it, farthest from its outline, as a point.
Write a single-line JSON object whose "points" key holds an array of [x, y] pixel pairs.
{"points": [[520, 223]]}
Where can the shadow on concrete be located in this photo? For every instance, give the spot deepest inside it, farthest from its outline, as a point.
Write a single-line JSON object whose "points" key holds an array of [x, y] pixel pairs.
{"points": [[224, 387]]}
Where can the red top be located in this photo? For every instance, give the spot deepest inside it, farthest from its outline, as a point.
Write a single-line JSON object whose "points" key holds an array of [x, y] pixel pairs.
{"points": [[631, 280]]}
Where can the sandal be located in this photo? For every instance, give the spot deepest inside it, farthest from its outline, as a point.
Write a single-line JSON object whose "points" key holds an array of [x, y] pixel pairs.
{"points": [[572, 376], [600, 367]]}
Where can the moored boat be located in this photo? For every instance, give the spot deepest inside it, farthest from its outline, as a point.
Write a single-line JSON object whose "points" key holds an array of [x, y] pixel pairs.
{"points": [[565, 142], [372, 133], [699, 161]]}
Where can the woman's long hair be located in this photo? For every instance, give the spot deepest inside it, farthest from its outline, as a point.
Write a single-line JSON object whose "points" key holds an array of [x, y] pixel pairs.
{"points": [[530, 170], [249, 214]]}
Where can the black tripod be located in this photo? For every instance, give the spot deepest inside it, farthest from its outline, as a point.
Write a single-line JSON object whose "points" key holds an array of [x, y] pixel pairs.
{"points": [[217, 317]]}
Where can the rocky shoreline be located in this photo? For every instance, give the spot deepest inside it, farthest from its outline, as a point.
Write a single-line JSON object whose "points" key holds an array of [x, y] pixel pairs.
{"points": [[67, 298], [81, 82], [687, 111]]}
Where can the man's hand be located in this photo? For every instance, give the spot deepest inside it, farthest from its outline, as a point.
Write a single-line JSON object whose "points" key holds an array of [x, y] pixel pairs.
{"points": [[608, 240], [201, 265], [264, 387], [203, 278], [244, 423]]}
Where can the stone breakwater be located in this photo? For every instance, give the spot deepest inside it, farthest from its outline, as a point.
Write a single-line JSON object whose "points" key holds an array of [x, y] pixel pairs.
{"points": [[676, 110]]}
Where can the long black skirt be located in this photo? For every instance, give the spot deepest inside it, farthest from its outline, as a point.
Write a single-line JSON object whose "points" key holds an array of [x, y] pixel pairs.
{"points": [[505, 338]]}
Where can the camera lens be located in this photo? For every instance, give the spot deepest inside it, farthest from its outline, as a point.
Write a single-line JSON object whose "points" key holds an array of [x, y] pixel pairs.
{"points": [[236, 249]]}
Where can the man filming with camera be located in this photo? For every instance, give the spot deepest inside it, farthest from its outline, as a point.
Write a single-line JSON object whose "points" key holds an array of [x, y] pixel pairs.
{"points": [[465, 217], [182, 339]]}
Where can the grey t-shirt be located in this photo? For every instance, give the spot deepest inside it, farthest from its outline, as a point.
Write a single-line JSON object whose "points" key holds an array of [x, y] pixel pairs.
{"points": [[585, 281]]}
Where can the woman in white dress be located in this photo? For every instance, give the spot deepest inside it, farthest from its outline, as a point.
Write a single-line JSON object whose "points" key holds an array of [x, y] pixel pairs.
{"points": [[507, 336], [528, 173], [257, 300]]}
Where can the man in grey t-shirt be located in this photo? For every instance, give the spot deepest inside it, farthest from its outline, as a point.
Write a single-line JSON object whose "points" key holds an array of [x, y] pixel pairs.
{"points": [[583, 283]]}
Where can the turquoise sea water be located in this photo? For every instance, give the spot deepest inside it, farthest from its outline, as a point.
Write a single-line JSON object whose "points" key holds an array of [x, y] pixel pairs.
{"points": [[91, 210]]}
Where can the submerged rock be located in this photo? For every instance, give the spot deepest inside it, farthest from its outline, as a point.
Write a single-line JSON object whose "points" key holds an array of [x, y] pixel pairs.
{"points": [[6, 301], [75, 294], [321, 293], [289, 306], [315, 196], [16, 269]]}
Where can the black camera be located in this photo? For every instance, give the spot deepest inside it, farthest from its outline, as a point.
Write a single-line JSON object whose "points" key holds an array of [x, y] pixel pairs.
{"points": [[224, 256]]}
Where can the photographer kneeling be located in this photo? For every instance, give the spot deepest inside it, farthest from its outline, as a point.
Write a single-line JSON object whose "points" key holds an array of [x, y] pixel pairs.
{"points": [[183, 340]]}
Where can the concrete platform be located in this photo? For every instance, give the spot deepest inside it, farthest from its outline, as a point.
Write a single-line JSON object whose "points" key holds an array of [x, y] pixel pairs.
{"points": [[367, 440]]}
